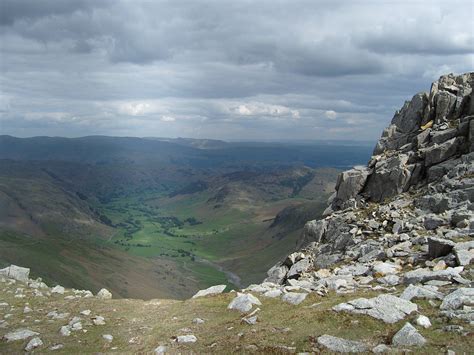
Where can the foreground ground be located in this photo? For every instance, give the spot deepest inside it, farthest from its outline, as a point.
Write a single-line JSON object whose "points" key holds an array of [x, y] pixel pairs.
{"points": [[142, 326]]}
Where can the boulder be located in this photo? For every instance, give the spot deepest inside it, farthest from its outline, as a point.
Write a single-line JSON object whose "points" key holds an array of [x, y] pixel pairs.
{"points": [[33, 344], [185, 339], [391, 177], [58, 289], [313, 231], [299, 267], [16, 272], [409, 118], [388, 308], [413, 291], [104, 294], [408, 336], [439, 247], [277, 274], [213, 290], [19, 334], [436, 154], [458, 298], [243, 302], [423, 321], [349, 184], [423, 275], [294, 297], [340, 345]]}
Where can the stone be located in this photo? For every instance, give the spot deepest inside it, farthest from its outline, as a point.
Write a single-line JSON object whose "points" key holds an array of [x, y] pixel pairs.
{"points": [[104, 294], [439, 247], [243, 302], [198, 321], [86, 312], [98, 320], [341, 345], [458, 298], [19, 334], [299, 267], [294, 297], [391, 177], [250, 320], [184, 339], [408, 118], [413, 291], [213, 290], [313, 230], [108, 337], [436, 154], [408, 336], [386, 268], [16, 272], [160, 350], [56, 347], [432, 222], [277, 274], [423, 275], [389, 280], [349, 184], [33, 344], [464, 257], [58, 289], [388, 308], [273, 293], [423, 321], [65, 330]]}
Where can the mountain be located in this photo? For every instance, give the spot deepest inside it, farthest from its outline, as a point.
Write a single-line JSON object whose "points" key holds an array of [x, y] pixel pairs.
{"points": [[199, 210]]}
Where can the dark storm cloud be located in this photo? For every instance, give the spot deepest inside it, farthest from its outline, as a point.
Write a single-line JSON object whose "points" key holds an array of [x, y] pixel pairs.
{"points": [[222, 69]]}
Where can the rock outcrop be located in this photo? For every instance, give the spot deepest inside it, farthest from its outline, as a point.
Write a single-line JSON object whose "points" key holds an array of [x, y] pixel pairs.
{"points": [[406, 219]]}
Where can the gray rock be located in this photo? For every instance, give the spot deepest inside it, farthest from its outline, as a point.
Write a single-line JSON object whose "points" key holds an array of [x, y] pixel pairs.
{"points": [[341, 345], [408, 336], [433, 221], [439, 247], [390, 177], [213, 290], [108, 337], [458, 298], [423, 275], [294, 297], [19, 334], [381, 348], [313, 231], [160, 350], [58, 289], [273, 293], [423, 321], [243, 302], [427, 292], [185, 339], [388, 308], [349, 184], [33, 344], [16, 272], [299, 267], [277, 274], [438, 153], [464, 257], [104, 294], [389, 280]]}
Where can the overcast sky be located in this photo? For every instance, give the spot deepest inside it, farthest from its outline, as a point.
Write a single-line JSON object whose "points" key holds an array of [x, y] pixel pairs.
{"points": [[223, 69]]}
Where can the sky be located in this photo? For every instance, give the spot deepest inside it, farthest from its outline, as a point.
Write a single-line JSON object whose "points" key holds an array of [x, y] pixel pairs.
{"points": [[232, 70]]}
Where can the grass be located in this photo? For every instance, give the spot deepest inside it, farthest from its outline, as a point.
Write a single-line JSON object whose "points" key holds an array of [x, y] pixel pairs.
{"points": [[139, 326]]}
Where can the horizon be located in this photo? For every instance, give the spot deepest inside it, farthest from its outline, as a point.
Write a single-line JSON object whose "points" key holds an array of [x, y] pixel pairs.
{"points": [[248, 71]]}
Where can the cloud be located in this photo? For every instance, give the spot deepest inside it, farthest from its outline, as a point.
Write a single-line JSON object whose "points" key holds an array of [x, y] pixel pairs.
{"points": [[330, 114], [270, 69]]}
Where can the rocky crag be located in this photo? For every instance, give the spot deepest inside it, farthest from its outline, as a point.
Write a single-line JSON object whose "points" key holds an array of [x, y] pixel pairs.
{"points": [[406, 219], [387, 270]]}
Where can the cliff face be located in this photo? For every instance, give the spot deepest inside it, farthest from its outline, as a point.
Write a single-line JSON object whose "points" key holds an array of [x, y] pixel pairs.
{"points": [[407, 217]]}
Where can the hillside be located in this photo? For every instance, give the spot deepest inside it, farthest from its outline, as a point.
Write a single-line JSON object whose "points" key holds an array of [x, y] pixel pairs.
{"points": [[388, 269], [160, 204]]}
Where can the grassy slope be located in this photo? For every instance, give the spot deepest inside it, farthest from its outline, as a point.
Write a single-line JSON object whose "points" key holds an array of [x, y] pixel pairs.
{"points": [[139, 327]]}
